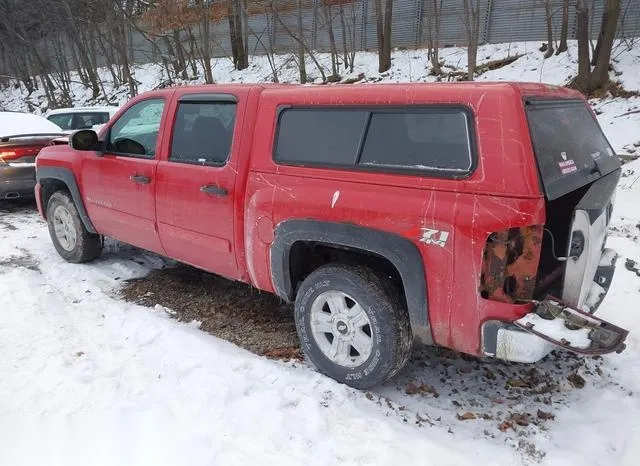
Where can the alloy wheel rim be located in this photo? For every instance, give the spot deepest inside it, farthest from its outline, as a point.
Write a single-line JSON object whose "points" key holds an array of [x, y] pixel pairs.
{"points": [[341, 328], [64, 228]]}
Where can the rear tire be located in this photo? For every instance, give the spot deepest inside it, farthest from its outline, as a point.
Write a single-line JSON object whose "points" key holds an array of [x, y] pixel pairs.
{"points": [[71, 239], [352, 325]]}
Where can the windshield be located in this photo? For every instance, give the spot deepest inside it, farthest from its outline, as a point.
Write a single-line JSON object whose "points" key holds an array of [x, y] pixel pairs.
{"points": [[569, 144]]}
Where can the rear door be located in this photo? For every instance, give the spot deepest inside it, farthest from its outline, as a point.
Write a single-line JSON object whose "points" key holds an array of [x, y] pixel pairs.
{"points": [[195, 190], [119, 185], [576, 161]]}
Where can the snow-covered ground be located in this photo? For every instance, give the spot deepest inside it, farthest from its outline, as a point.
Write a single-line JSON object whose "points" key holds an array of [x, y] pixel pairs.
{"points": [[87, 378]]}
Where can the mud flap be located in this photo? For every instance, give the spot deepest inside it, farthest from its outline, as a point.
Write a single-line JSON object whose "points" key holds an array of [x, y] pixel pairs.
{"points": [[573, 329]]}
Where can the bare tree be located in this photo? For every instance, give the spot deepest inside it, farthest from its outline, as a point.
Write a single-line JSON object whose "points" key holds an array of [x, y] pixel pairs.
{"points": [[328, 19], [564, 32], [471, 19], [237, 34], [548, 9], [302, 48], [588, 79], [205, 42], [349, 32], [434, 15], [301, 45], [384, 16], [268, 46]]}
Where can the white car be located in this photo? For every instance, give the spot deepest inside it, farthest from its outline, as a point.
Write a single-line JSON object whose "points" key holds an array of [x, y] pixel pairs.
{"points": [[75, 118]]}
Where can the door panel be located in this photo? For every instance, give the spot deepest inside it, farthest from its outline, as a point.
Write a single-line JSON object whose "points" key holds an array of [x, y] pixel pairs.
{"points": [[195, 186], [195, 226], [119, 185]]}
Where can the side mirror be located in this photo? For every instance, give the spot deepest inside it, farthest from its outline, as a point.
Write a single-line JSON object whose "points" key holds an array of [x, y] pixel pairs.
{"points": [[85, 139]]}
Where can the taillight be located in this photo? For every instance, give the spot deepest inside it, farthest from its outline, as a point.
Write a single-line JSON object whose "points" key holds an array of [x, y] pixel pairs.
{"points": [[510, 264], [16, 153]]}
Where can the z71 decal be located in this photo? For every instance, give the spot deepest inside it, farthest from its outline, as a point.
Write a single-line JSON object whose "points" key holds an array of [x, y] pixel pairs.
{"points": [[436, 237]]}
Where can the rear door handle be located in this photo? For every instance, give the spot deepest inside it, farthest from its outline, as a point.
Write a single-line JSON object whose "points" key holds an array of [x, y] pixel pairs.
{"points": [[214, 190], [140, 179]]}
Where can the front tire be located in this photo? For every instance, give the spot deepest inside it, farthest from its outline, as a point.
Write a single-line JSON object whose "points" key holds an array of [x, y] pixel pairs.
{"points": [[352, 325], [71, 239]]}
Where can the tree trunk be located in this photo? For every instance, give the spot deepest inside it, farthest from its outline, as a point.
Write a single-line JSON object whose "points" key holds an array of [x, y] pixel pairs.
{"points": [[240, 58], [472, 27], [301, 58], [564, 32], [328, 14], [383, 27], [433, 32], [582, 32], [205, 41], [602, 57], [587, 80], [182, 64], [548, 13], [343, 26]]}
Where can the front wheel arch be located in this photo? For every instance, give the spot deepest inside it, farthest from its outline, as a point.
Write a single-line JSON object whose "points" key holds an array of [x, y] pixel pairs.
{"points": [[53, 179]]}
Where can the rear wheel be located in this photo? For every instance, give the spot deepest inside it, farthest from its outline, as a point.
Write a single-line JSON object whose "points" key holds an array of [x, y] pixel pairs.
{"points": [[352, 325], [69, 235]]}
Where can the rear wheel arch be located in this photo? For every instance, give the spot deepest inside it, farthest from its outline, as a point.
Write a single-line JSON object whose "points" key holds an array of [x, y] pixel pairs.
{"points": [[396, 255], [52, 179]]}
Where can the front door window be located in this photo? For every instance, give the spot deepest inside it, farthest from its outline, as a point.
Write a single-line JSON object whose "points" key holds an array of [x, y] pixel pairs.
{"points": [[135, 134]]}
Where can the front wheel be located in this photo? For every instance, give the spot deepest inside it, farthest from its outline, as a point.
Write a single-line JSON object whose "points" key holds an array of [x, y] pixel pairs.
{"points": [[352, 325], [69, 235]]}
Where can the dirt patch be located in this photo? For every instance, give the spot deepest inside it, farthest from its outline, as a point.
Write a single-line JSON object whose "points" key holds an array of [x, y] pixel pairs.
{"points": [[256, 321], [6, 226], [18, 205], [22, 260]]}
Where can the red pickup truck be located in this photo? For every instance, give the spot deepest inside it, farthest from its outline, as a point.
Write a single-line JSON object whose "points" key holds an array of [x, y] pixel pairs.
{"points": [[468, 215]]}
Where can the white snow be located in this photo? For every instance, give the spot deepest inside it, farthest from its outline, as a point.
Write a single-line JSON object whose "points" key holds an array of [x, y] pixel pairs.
{"points": [[87, 378], [555, 329], [16, 123], [98, 381]]}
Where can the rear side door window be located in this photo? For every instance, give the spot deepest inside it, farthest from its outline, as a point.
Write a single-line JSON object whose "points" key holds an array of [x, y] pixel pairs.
{"points": [[63, 120], [203, 132]]}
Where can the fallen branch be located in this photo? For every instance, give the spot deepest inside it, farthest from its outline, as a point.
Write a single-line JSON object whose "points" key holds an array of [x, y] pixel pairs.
{"points": [[628, 113], [496, 64]]}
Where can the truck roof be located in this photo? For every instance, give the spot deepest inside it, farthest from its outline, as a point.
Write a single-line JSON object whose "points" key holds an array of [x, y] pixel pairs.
{"points": [[522, 88]]}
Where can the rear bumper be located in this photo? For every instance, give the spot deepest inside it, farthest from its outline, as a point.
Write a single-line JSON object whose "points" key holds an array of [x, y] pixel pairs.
{"points": [[17, 181], [532, 337]]}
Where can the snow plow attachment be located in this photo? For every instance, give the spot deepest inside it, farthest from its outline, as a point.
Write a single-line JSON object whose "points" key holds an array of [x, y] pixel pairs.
{"points": [[573, 329]]}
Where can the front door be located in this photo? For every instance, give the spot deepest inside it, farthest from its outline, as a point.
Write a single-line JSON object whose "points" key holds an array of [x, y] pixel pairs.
{"points": [[195, 191], [119, 185]]}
